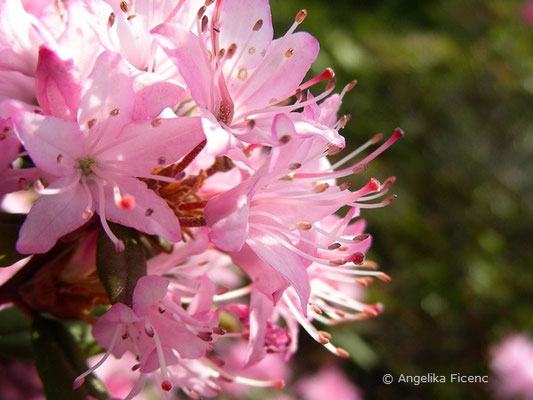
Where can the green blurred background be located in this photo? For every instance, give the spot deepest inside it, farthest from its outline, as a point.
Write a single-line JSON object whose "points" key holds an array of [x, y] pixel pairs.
{"points": [[457, 76]]}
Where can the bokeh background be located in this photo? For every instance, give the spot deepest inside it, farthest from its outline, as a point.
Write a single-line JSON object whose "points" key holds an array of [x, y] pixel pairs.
{"points": [[457, 76]]}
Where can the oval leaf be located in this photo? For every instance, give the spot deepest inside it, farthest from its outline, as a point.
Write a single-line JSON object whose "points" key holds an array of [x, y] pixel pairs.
{"points": [[120, 271]]}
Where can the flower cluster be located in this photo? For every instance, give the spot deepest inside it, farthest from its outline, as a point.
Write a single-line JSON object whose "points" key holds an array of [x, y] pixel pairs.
{"points": [[189, 123]]}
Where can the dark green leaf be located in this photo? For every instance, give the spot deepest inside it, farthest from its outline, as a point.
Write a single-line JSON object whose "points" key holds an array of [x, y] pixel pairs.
{"points": [[59, 361], [9, 230], [12, 320], [16, 345], [119, 271]]}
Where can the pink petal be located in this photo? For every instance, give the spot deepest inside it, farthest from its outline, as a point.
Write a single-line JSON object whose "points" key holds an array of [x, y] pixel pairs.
{"points": [[108, 98], [13, 180], [278, 76], [52, 217], [265, 278], [149, 290], [203, 299], [284, 261], [16, 38], [260, 311], [151, 213], [227, 216], [219, 140], [152, 95], [57, 85], [15, 85], [237, 20], [187, 51], [145, 145], [54, 144]]}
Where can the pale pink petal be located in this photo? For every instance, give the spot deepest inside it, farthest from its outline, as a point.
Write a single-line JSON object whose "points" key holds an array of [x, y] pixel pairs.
{"points": [[203, 299], [54, 144], [278, 76], [149, 290], [227, 216], [57, 85], [12, 180], [145, 145], [187, 51], [288, 264], [265, 278], [15, 85], [107, 99], [237, 20], [152, 95], [51, 217], [79, 30], [151, 214], [16, 38], [152, 363], [308, 128], [260, 310], [219, 140]]}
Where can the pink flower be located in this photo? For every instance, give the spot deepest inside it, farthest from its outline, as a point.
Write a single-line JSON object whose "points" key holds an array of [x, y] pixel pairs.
{"points": [[98, 138], [329, 383], [511, 363], [238, 76], [263, 222], [156, 329]]}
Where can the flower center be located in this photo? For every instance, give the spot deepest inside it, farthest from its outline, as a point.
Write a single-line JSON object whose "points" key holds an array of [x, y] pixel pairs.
{"points": [[84, 165]]}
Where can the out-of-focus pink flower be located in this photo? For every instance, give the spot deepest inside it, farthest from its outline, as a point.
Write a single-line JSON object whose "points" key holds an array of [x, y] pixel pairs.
{"points": [[96, 142], [527, 13], [329, 383], [19, 381], [272, 367], [512, 366]]}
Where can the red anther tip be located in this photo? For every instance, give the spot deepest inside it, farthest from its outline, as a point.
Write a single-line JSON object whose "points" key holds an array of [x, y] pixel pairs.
{"points": [[285, 139], [357, 258], [127, 202], [166, 386], [374, 185], [221, 290], [376, 138], [382, 276], [77, 383], [351, 85], [201, 12], [342, 353], [331, 84], [258, 25], [398, 132], [329, 73], [279, 384], [390, 199], [361, 237], [300, 16], [359, 168]]}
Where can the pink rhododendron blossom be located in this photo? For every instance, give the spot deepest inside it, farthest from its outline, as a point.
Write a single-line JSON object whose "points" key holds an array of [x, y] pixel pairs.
{"points": [[189, 123], [97, 153], [512, 367], [238, 75]]}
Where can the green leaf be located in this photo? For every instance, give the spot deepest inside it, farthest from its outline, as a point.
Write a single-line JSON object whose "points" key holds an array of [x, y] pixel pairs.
{"points": [[16, 345], [15, 334], [12, 321], [9, 231], [59, 361], [120, 271]]}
